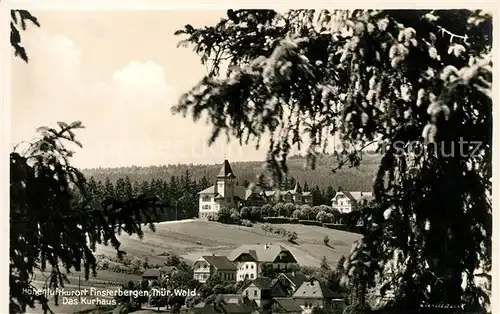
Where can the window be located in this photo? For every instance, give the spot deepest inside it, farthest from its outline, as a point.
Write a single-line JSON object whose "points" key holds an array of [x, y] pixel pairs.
{"points": [[251, 276], [206, 198], [246, 266], [255, 293], [251, 266]]}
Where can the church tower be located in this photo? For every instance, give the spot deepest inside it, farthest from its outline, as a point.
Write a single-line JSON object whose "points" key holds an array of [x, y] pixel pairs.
{"points": [[225, 183]]}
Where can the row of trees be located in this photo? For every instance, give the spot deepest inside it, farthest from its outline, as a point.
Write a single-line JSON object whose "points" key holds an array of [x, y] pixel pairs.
{"points": [[321, 213], [180, 196]]}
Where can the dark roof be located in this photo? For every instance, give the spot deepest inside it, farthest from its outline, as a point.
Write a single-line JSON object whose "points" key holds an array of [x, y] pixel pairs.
{"points": [[315, 290], [262, 283], [259, 252], [296, 278], [288, 304], [167, 269], [230, 308], [226, 171], [151, 273], [219, 262]]}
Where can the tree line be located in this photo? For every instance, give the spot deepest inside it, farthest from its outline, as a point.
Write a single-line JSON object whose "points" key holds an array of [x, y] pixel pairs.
{"points": [[179, 196]]}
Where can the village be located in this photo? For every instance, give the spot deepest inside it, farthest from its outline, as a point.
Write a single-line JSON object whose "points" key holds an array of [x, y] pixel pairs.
{"points": [[266, 276]]}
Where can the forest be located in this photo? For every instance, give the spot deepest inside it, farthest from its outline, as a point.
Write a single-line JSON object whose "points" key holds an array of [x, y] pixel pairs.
{"points": [[350, 179], [177, 186]]}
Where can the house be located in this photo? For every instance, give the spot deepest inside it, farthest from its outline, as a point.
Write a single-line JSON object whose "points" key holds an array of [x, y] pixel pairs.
{"points": [[166, 272], [229, 308], [349, 201], [290, 282], [296, 196], [208, 266], [250, 258], [286, 305], [313, 294], [225, 193], [257, 290], [151, 275]]}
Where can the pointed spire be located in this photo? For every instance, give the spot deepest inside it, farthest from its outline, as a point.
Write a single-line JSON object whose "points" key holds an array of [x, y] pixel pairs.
{"points": [[297, 188], [226, 171]]}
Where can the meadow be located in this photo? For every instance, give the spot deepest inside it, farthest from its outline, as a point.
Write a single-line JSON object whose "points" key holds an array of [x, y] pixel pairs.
{"points": [[193, 238]]}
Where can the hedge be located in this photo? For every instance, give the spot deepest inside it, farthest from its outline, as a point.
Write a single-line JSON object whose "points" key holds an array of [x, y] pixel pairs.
{"points": [[281, 220]]}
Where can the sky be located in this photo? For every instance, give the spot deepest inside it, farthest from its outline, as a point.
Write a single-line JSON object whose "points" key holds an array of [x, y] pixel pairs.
{"points": [[119, 73]]}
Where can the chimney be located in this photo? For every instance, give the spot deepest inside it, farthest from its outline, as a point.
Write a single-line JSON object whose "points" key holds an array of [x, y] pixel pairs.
{"points": [[213, 254], [293, 273], [266, 246]]}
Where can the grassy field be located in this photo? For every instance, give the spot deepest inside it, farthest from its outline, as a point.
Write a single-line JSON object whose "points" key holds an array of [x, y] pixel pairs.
{"points": [[181, 238]]}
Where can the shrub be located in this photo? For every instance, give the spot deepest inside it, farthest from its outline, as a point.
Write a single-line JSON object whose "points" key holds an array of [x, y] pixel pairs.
{"points": [[245, 212], [246, 223], [326, 240], [292, 236], [266, 210], [256, 214], [280, 220]]}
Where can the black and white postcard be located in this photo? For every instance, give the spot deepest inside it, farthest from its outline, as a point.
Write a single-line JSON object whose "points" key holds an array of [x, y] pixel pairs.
{"points": [[249, 160]]}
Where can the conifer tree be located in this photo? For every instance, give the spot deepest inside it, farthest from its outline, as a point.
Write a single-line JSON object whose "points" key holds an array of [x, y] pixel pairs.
{"points": [[375, 77]]}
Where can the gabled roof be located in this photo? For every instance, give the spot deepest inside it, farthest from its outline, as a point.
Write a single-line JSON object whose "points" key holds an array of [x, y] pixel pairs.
{"points": [[288, 304], [219, 262], [239, 191], [356, 195], [153, 272], [315, 290], [296, 278], [259, 252], [209, 190], [262, 283], [168, 269], [226, 171], [232, 308]]}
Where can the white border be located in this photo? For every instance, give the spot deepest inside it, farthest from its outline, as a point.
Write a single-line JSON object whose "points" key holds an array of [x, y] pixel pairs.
{"points": [[127, 5]]}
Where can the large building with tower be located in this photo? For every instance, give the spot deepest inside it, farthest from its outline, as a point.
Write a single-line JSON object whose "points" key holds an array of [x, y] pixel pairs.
{"points": [[225, 193]]}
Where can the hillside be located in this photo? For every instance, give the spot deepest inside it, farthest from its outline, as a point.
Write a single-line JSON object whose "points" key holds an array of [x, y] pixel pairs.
{"points": [[359, 179], [184, 238]]}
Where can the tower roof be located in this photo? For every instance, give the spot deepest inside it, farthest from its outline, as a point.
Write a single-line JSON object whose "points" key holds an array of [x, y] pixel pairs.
{"points": [[226, 171]]}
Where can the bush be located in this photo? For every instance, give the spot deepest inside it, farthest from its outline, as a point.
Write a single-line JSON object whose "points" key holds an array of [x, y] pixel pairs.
{"points": [[266, 209], [292, 236], [255, 213], [246, 223]]}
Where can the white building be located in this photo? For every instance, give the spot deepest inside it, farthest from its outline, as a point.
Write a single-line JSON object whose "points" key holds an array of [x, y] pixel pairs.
{"points": [[222, 193], [250, 259], [348, 201]]}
